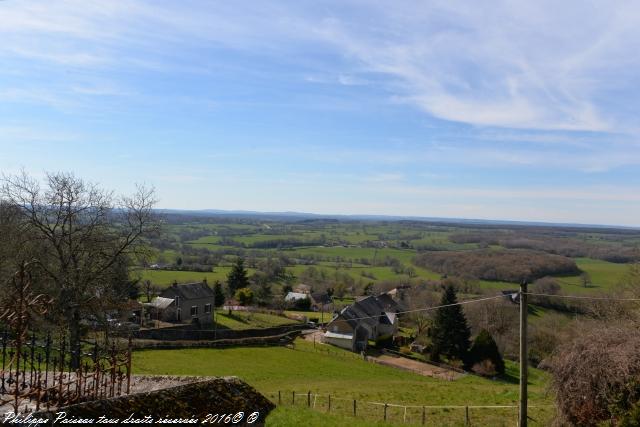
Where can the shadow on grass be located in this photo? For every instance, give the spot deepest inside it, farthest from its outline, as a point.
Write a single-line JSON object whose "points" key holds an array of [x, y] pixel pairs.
{"points": [[508, 378]]}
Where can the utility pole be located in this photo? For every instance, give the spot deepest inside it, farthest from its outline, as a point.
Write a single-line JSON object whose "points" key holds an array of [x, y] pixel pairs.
{"points": [[523, 355], [215, 324]]}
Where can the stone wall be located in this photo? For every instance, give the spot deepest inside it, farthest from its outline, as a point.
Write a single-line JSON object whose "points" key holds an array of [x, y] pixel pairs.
{"points": [[185, 333], [276, 340], [193, 401]]}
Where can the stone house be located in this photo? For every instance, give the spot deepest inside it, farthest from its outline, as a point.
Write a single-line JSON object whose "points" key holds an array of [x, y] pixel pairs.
{"points": [[192, 303]]}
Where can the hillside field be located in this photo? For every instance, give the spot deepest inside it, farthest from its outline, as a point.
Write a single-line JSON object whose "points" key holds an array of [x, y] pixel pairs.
{"points": [[345, 375]]}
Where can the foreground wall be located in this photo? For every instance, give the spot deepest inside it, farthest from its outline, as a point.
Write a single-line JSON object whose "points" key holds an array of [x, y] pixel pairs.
{"points": [[187, 333], [196, 400]]}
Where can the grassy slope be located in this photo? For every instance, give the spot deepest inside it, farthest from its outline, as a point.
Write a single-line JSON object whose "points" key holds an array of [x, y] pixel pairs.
{"points": [[164, 278], [604, 275], [343, 375]]}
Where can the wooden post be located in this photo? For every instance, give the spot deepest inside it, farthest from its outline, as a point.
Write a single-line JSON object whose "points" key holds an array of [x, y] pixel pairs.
{"points": [[424, 415], [279, 398], [309, 399], [385, 411], [466, 416], [293, 397], [329, 404], [523, 355], [354, 407]]}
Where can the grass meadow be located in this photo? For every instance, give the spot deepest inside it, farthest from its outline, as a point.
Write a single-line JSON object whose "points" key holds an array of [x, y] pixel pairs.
{"points": [[345, 376]]}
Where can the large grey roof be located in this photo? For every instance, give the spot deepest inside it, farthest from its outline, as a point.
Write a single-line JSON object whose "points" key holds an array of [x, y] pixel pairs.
{"points": [[387, 302], [369, 310]]}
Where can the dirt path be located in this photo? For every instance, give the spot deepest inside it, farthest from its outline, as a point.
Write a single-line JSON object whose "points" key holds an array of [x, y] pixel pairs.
{"points": [[421, 368]]}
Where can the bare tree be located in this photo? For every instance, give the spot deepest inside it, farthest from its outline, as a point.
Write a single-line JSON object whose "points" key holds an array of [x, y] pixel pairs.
{"points": [[149, 289], [595, 376], [87, 234]]}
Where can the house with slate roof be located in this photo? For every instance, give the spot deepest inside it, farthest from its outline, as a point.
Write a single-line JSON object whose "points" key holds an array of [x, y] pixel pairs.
{"points": [[370, 318], [192, 303]]}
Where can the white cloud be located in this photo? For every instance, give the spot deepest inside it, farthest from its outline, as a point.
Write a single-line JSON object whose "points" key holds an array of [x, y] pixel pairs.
{"points": [[541, 65], [514, 64]]}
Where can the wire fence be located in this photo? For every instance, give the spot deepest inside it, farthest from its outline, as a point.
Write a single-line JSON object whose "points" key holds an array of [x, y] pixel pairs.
{"points": [[412, 414]]}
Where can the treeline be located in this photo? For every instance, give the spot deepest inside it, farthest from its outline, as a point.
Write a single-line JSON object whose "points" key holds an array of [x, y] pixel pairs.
{"points": [[574, 248], [503, 265], [569, 247], [286, 243]]}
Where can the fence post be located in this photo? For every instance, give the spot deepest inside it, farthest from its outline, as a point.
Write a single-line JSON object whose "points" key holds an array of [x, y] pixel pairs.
{"points": [[385, 411], [129, 347], [424, 416], [466, 416], [354, 407], [329, 404], [293, 397], [309, 399], [279, 398]]}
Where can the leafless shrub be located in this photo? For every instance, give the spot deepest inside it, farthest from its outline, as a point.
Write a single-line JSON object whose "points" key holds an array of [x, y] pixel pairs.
{"points": [[591, 372]]}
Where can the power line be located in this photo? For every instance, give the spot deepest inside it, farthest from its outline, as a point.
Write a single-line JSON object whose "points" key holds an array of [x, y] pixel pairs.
{"points": [[434, 307], [417, 310], [584, 297]]}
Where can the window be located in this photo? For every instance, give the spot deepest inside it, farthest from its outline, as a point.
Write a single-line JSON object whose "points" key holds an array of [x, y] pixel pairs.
{"points": [[194, 310], [207, 308]]}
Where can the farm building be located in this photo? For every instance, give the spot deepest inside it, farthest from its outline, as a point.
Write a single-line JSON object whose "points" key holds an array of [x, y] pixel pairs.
{"points": [[191, 303], [295, 296], [371, 318]]}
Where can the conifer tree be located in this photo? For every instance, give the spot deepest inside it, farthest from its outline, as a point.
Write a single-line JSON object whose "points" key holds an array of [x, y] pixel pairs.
{"points": [[450, 332], [237, 277], [219, 294], [485, 348]]}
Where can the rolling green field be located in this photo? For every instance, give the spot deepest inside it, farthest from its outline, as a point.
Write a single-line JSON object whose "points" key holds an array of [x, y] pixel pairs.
{"points": [[359, 253], [164, 278], [604, 276], [345, 375]]}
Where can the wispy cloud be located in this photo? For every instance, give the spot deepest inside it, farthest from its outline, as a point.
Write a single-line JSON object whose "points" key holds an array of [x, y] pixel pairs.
{"points": [[508, 64], [362, 102]]}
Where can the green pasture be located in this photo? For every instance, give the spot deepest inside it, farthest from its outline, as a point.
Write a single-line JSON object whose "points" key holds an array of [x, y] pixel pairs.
{"points": [[164, 278], [605, 276], [345, 375]]}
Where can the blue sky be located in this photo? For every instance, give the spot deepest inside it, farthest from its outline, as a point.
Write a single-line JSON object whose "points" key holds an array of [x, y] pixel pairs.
{"points": [[509, 110]]}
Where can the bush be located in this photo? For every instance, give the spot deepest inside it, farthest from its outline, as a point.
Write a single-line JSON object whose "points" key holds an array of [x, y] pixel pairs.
{"points": [[244, 296], [601, 367], [484, 349], [632, 418], [303, 304], [486, 368]]}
